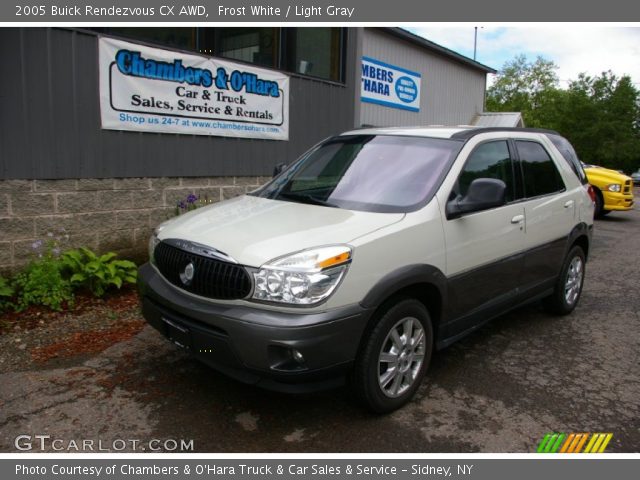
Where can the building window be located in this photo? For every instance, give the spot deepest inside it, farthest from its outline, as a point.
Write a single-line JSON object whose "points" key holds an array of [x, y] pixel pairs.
{"points": [[252, 45], [176, 37], [312, 51]]}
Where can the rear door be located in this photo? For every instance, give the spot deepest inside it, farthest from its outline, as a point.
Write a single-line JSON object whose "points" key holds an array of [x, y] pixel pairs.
{"points": [[549, 209]]}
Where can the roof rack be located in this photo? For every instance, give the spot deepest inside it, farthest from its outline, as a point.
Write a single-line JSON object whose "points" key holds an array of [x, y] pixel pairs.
{"points": [[472, 132]]}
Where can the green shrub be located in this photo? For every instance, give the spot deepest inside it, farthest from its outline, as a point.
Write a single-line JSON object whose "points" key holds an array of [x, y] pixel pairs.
{"points": [[42, 283], [6, 290], [51, 277], [6, 294], [97, 273]]}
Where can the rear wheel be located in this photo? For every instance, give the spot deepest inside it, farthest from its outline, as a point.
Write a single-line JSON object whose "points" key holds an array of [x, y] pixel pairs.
{"points": [[569, 284], [394, 357]]}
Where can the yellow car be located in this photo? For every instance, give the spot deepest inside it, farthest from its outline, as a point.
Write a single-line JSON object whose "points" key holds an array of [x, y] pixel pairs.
{"points": [[614, 190]]}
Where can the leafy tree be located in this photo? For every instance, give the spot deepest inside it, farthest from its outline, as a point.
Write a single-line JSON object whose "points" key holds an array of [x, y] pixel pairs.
{"points": [[599, 115], [526, 87]]}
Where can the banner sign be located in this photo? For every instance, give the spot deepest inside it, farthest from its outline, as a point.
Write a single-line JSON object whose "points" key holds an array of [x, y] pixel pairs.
{"points": [[152, 90], [388, 85]]}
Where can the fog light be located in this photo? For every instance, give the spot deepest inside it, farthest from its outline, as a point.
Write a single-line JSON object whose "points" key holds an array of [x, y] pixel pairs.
{"points": [[297, 356], [286, 359]]}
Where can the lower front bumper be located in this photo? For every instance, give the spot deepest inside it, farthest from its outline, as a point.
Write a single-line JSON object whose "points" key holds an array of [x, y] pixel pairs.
{"points": [[256, 345], [617, 201]]}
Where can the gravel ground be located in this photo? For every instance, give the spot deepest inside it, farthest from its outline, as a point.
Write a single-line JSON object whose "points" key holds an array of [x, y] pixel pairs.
{"points": [[500, 389]]}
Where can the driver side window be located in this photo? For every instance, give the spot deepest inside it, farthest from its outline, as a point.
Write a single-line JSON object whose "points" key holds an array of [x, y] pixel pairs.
{"points": [[489, 160]]}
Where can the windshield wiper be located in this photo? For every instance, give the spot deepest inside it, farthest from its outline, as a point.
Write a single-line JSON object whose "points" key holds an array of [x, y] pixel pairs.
{"points": [[306, 199]]}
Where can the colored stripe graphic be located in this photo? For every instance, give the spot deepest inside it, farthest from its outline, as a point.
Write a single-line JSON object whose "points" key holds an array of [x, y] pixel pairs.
{"points": [[543, 443], [568, 442], [598, 442], [574, 442], [583, 439], [551, 442]]}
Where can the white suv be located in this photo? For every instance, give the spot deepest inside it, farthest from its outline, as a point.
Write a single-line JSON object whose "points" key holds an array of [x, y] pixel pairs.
{"points": [[373, 249]]}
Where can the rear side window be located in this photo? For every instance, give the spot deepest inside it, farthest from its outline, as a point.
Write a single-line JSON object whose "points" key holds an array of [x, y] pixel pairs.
{"points": [[488, 160], [569, 154], [540, 174]]}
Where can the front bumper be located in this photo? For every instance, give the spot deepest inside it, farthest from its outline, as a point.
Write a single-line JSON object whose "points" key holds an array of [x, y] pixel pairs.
{"points": [[255, 345], [617, 201]]}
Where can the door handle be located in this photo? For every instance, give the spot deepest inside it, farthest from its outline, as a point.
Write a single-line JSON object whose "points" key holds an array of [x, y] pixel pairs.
{"points": [[569, 204], [517, 219]]}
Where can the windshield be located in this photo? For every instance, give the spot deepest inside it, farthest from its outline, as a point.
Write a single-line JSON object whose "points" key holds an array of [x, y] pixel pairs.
{"points": [[377, 173]]}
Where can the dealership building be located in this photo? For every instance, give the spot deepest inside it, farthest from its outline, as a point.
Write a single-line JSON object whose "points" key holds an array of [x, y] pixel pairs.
{"points": [[104, 131]]}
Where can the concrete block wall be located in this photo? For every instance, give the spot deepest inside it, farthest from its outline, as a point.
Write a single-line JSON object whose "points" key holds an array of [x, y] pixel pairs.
{"points": [[115, 214]]}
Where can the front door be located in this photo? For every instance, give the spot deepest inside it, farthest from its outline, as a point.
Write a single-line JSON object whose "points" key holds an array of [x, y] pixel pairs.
{"points": [[484, 249]]}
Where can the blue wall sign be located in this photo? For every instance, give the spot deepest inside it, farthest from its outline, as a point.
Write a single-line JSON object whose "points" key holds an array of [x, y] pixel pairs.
{"points": [[389, 85]]}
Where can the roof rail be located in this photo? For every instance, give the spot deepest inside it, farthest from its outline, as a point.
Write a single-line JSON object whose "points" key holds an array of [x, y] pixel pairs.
{"points": [[472, 132]]}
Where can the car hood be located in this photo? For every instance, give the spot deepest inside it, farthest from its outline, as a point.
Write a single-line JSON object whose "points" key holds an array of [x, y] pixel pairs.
{"points": [[606, 174], [254, 230]]}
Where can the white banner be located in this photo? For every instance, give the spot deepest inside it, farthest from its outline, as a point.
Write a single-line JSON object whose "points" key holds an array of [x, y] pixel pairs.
{"points": [[152, 90], [388, 85]]}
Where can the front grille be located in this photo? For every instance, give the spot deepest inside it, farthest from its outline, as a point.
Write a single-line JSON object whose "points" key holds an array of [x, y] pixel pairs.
{"points": [[212, 278], [627, 186]]}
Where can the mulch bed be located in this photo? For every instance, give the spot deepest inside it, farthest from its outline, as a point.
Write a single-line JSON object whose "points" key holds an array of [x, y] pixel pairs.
{"points": [[35, 316], [85, 343], [39, 337]]}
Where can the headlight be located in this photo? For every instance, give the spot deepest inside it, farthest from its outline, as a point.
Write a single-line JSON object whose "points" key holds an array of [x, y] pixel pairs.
{"points": [[614, 187], [154, 241], [303, 278]]}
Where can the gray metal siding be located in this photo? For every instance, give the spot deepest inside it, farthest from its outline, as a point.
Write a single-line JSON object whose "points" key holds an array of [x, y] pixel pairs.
{"points": [[451, 93], [50, 118]]}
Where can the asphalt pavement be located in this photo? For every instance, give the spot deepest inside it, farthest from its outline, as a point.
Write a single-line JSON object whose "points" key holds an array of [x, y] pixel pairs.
{"points": [[500, 389]]}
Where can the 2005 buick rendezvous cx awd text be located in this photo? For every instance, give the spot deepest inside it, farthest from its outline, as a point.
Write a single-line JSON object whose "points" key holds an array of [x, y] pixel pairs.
{"points": [[371, 250]]}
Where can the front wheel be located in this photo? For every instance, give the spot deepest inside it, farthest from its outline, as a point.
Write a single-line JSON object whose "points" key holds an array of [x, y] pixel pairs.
{"points": [[599, 210], [394, 357], [569, 284]]}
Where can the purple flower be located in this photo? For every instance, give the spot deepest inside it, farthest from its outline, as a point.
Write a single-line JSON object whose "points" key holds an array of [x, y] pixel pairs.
{"points": [[56, 252], [181, 205], [191, 198], [36, 245]]}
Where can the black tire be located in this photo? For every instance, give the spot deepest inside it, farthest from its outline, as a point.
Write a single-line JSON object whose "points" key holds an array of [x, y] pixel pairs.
{"points": [[565, 297], [371, 369]]}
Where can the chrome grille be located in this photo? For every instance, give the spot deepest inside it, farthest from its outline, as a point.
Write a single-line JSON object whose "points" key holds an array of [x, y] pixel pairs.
{"points": [[212, 278]]}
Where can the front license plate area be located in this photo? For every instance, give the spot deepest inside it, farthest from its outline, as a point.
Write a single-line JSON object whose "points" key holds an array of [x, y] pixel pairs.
{"points": [[178, 334]]}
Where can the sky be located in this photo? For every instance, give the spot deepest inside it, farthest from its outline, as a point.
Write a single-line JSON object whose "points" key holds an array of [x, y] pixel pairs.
{"points": [[574, 48]]}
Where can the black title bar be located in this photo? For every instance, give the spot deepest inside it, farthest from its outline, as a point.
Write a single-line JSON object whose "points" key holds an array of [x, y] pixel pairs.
{"points": [[331, 11]]}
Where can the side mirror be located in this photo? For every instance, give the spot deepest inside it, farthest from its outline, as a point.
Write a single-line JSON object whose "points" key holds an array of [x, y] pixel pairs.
{"points": [[483, 194], [278, 169]]}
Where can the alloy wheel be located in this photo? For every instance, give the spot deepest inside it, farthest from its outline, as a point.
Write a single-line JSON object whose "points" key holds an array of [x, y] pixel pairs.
{"points": [[401, 357]]}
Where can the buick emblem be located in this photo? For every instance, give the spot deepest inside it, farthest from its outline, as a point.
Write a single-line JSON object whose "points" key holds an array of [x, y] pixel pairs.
{"points": [[187, 275]]}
